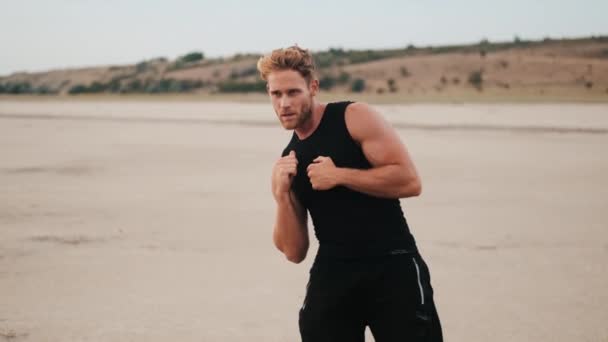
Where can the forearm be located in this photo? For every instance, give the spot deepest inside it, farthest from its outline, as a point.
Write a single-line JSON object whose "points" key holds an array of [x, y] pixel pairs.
{"points": [[388, 181], [290, 231]]}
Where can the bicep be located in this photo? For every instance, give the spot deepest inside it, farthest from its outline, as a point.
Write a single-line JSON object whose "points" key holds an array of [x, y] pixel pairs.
{"points": [[379, 141]]}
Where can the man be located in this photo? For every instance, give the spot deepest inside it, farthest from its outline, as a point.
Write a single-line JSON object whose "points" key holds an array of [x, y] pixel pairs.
{"points": [[347, 167]]}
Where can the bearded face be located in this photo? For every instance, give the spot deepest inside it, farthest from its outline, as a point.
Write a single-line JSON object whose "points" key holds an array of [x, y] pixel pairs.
{"points": [[291, 97]]}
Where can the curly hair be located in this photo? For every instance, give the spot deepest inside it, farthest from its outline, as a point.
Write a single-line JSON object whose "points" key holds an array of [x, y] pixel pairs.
{"points": [[291, 58]]}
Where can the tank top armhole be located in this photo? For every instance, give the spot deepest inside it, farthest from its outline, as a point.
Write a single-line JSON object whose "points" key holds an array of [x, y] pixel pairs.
{"points": [[343, 124], [290, 146]]}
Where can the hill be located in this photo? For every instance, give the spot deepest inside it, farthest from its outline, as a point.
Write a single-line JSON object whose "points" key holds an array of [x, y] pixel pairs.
{"points": [[572, 68]]}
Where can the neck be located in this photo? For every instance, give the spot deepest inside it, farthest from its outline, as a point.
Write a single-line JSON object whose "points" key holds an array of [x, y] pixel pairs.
{"points": [[310, 125]]}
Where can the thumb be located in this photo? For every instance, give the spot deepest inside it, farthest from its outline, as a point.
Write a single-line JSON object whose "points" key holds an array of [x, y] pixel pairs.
{"points": [[292, 153]]}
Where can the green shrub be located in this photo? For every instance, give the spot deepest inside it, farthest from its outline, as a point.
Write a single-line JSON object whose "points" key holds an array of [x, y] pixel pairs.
{"points": [[327, 82], [114, 86], [242, 87], [141, 66], [338, 52], [176, 87], [392, 87], [20, 88], [476, 79], [249, 71], [78, 89], [135, 86], [166, 85], [43, 90], [234, 74], [342, 57], [516, 40], [356, 57], [151, 87], [343, 78], [192, 57], [96, 87], [520, 42], [358, 85], [324, 60]]}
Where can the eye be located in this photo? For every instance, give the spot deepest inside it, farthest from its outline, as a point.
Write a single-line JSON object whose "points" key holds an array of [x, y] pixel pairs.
{"points": [[293, 92]]}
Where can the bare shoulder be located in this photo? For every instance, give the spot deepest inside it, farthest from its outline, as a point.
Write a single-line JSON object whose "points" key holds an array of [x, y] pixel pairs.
{"points": [[363, 121], [379, 141]]}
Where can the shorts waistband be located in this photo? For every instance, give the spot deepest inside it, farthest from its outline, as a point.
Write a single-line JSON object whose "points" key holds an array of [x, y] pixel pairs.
{"points": [[361, 252]]}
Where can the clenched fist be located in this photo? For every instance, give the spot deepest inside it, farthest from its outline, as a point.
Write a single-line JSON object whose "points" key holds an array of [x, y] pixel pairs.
{"points": [[282, 174], [322, 173]]}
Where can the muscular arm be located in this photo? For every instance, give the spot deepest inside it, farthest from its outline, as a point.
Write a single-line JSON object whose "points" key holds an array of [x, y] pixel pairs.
{"points": [[290, 234], [291, 229], [393, 174]]}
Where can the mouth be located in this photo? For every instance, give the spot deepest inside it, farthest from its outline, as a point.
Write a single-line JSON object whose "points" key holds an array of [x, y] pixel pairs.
{"points": [[288, 115]]}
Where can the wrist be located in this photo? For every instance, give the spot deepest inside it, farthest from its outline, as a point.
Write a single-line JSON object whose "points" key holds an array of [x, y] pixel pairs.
{"points": [[342, 176], [282, 197]]}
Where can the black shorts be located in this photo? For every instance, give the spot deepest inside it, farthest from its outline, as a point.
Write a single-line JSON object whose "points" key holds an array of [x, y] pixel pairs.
{"points": [[390, 294]]}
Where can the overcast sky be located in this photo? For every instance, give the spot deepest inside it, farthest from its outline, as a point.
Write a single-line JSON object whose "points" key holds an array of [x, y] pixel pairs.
{"points": [[38, 35]]}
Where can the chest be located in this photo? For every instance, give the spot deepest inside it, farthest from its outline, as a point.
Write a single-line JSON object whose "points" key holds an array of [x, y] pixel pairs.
{"points": [[343, 152]]}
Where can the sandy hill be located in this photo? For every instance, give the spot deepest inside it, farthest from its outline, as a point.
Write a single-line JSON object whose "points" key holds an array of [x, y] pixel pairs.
{"points": [[565, 67]]}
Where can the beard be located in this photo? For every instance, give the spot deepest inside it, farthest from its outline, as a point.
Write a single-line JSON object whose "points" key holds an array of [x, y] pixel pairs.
{"points": [[306, 113], [302, 117]]}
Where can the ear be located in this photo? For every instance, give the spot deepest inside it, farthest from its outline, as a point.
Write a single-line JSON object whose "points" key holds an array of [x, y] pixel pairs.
{"points": [[314, 87]]}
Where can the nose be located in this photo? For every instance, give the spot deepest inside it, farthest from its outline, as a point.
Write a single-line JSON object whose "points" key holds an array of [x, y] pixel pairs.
{"points": [[285, 103]]}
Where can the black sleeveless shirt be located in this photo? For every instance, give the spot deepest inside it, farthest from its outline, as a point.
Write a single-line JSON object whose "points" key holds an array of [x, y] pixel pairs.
{"points": [[347, 223]]}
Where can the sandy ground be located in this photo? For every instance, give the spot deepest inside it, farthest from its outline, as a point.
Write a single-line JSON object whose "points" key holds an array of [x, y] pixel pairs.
{"points": [[136, 221]]}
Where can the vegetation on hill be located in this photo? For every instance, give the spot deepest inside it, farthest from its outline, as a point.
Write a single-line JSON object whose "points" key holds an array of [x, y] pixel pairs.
{"points": [[480, 66]]}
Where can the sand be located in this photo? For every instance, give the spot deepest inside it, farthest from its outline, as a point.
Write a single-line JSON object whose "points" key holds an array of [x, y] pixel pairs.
{"points": [[151, 221]]}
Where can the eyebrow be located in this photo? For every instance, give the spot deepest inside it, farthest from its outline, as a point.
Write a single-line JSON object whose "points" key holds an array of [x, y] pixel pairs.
{"points": [[287, 90]]}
